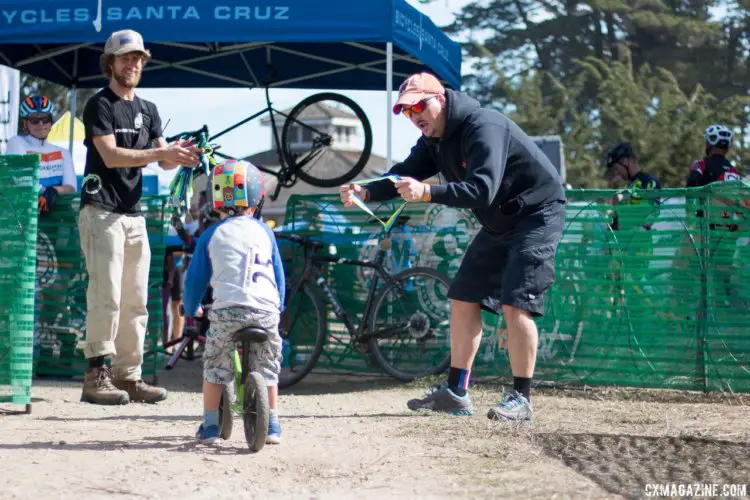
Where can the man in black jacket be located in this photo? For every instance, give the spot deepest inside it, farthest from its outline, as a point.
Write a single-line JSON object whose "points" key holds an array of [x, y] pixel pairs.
{"points": [[496, 170]]}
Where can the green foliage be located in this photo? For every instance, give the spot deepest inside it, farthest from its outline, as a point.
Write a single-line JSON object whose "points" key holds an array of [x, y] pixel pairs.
{"points": [[598, 72], [645, 106]]}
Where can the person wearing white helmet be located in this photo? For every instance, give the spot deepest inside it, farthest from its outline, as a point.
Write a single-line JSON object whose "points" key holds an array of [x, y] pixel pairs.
{"points": [[714, 167], [56, 172]]}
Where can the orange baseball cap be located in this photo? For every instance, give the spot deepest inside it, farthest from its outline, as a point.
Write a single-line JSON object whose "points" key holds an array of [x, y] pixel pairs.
{"points": [[415, 88]]}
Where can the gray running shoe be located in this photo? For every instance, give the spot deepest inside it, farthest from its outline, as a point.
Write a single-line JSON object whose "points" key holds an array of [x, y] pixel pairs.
{"points": [[514, 407], [443, 400]]}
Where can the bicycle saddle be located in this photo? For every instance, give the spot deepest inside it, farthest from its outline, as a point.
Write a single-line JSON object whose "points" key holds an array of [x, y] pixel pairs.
{"points": [[255, 334]]}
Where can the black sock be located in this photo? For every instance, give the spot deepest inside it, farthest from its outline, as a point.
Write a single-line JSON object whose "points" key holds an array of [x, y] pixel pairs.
{"points": [[523, 386], [96, 362], [458, 381]]}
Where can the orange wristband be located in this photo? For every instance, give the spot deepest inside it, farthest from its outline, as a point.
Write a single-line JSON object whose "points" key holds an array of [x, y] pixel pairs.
{"points": [[427, 195]]}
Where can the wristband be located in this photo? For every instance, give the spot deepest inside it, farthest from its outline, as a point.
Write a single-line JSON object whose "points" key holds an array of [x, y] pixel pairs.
{"points": [[427, 195]]}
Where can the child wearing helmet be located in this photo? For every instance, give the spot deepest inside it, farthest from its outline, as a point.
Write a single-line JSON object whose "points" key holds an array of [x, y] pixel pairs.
{"points": [[56, 172], [714, 167], [239, 258]]}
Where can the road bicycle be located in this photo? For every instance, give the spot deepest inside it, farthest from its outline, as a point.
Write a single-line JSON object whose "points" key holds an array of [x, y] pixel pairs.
{"points": [[405, 323], [315, 145]]}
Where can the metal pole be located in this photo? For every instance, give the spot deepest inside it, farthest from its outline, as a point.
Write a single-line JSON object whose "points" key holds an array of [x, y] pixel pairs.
{"points": [[72, 106], [389, 90]]}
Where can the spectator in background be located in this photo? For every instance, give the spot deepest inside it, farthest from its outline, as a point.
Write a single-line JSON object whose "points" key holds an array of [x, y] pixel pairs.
{"points": [[56, 176], [56, 172]]}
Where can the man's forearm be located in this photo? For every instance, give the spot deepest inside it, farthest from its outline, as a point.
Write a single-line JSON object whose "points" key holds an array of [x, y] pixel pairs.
{"points": [[64, 189], [122, 157]]}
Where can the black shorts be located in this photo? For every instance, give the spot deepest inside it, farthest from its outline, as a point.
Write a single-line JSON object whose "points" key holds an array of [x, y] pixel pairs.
{"points": [[515, 268]]}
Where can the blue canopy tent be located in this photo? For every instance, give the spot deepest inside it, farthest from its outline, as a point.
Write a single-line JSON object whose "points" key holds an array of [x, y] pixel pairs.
{"points": [[336, 44]]}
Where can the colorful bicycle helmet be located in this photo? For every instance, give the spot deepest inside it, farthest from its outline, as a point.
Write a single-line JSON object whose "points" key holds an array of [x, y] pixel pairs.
{"points": [[718, 136], [236, 184], [619, 152], [37, 105]]}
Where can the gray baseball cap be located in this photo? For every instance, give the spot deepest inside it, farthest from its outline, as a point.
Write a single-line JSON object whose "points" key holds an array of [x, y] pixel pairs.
{"points": [[124, 41]]}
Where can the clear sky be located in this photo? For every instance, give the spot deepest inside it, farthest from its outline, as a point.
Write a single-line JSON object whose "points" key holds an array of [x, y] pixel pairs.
{"points": [[189, 109]]}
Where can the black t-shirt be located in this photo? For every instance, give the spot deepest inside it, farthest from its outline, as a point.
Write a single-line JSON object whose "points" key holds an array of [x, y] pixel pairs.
{"points": [[136, 125]]}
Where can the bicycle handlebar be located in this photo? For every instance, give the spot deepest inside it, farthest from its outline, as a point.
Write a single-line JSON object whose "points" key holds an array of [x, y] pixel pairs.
{"points": [[301, 240], [194, 134]]}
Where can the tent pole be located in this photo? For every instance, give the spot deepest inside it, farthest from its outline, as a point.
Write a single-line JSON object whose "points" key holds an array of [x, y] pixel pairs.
{"points": [[72, 106], [389, 90]]}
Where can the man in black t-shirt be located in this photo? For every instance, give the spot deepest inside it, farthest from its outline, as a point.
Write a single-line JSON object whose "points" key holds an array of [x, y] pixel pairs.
{"points": [[123, 135]]}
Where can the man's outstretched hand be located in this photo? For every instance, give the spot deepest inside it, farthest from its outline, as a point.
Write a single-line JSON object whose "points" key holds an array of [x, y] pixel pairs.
{"points": [[411, 189], [349, 191]]}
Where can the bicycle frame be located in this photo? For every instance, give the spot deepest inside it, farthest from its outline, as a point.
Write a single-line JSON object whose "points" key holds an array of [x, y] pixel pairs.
{"points": [[312, 274]]}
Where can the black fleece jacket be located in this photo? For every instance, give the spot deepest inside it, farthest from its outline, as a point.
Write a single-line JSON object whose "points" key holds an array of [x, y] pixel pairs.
{"points": [[491, 166]]}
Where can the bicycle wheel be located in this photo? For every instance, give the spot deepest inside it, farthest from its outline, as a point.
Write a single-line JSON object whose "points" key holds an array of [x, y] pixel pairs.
{"points": [[255, 411], [303, 326], [332, 156], [225, 415], [410, 324]]}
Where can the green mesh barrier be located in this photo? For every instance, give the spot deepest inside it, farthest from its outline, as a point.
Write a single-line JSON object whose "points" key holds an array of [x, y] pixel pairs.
{"points": [[656, 300], [61, 283], [19, 176]]}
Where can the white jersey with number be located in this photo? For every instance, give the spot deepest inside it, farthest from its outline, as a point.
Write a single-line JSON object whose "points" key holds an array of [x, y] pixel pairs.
{"points": [[56, 168]]}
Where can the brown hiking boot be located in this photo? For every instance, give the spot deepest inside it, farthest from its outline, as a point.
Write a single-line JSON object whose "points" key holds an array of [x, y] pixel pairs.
{"points": [[98, 388], [139, 391]]}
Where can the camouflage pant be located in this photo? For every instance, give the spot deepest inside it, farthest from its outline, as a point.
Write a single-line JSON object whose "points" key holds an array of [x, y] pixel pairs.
{"points": [[220, 344]]}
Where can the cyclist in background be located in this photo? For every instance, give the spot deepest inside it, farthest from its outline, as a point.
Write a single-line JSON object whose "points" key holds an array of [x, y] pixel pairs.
{"points": [[56, 176], [622, 165], [714, 167], [56, 172]]}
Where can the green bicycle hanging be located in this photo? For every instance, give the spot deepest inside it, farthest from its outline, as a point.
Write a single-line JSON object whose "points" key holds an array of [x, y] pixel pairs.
{"points": [[181, 187]]}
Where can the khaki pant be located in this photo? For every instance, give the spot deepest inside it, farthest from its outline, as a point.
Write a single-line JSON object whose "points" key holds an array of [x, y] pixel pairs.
{"points": [[118, 257]]}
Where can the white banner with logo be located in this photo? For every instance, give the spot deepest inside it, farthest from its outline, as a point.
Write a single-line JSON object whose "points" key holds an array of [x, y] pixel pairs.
{"points": [[10, 82]]}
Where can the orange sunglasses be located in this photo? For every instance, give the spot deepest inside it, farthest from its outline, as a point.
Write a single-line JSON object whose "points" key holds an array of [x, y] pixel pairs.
{"points": [[416, 108]]}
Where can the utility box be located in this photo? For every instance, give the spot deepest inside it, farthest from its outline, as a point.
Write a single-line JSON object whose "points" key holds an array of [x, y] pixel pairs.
{"points": [[551, 145]]}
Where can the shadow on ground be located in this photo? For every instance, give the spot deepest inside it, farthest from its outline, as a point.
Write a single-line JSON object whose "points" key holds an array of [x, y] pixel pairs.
{"points": [[624, 464]]}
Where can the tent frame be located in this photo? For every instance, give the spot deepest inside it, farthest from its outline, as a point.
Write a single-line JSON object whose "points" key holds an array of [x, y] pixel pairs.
{"points": [[240, 49]]}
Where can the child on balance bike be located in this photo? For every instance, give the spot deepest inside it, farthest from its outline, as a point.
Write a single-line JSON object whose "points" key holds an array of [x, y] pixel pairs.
{"points": [[239, 258]]}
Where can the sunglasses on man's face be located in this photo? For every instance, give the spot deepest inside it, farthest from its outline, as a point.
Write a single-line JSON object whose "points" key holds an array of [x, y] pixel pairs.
{"points": [[416, 108], [36, 121]]}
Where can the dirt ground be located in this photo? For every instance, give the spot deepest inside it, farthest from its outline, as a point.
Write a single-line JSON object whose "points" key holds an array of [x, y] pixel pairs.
{"points": [[352, 437]]}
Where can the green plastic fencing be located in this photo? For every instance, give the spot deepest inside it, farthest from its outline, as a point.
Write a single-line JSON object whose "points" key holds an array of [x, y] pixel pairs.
{"points": [[19, 176], [657, 298], [61, 283]]}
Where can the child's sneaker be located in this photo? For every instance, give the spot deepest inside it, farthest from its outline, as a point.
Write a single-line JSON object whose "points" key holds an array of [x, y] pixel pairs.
{"points": [[274, 430], [209, 435]]}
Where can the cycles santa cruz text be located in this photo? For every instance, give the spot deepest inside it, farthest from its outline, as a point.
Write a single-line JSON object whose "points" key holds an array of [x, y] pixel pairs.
{"points": [[151, 12]]}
